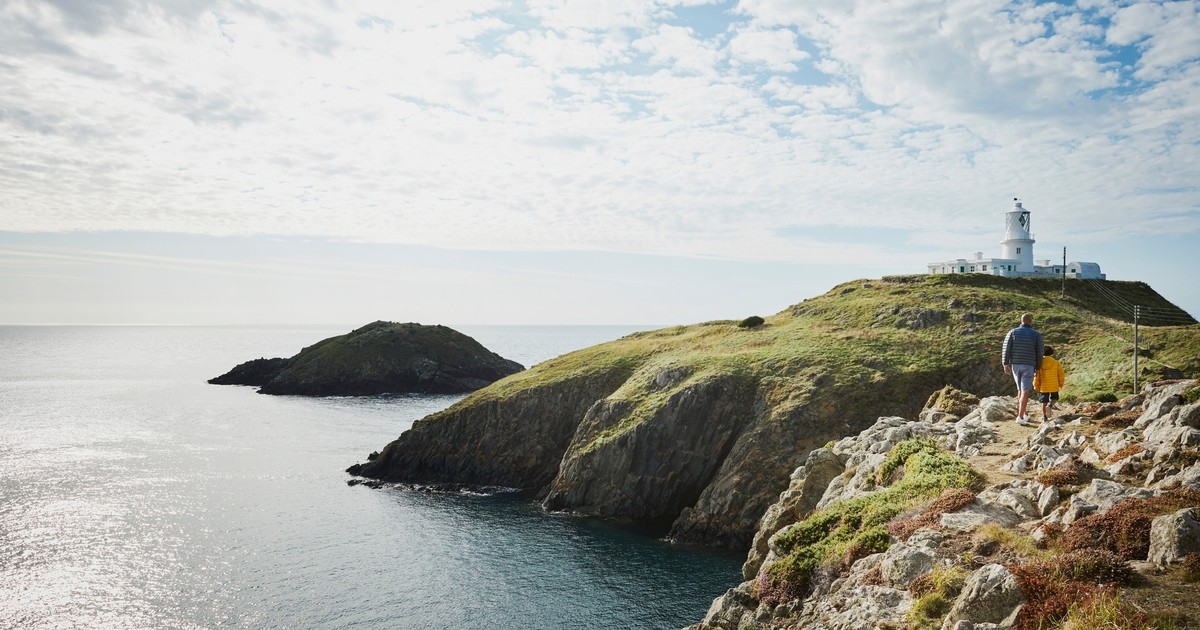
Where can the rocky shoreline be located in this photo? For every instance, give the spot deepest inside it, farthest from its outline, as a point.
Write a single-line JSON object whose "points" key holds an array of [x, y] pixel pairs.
{"points": [[1095, 512]]}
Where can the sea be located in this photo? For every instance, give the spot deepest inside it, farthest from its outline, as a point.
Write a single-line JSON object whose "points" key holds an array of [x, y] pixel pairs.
{"points": [[133, 494]]}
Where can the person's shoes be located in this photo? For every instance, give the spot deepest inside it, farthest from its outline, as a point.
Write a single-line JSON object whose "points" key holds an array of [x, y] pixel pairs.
{"points": [[1023, 420]]}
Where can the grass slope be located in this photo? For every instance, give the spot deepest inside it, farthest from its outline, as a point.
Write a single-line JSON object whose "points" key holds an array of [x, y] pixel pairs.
{"points": [[868, 332]]}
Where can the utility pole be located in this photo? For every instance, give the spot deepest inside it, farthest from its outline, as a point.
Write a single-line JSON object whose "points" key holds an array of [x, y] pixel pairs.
{"points": [[1137, 311], [1063, 292]]}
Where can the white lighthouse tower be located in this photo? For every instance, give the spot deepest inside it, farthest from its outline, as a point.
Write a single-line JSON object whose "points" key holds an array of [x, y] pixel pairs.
{"points": [[1018, 242], [1017, 256]]}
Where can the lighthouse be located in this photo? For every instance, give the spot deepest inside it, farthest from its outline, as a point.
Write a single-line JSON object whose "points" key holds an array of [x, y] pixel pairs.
{"points": [[1016, 258], [1018, 241]]}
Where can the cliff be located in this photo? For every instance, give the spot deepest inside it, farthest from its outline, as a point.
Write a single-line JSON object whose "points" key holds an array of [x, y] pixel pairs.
{"points": [[379, 358], [1090, 520], [701, 426]]}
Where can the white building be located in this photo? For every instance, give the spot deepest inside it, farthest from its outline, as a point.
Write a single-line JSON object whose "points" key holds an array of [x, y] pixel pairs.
{"points": [[1016, 255]]}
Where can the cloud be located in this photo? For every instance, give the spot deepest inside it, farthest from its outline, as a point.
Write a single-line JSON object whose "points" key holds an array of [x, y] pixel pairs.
{"points": [[774, 48], [626, 126]]}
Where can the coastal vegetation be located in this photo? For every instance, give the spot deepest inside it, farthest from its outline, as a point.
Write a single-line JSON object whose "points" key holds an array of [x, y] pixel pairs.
{"points": [[837, 536]]}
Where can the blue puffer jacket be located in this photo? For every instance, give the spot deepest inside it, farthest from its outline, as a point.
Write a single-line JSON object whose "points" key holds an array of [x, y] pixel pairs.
{"points": [[1023, 346]]}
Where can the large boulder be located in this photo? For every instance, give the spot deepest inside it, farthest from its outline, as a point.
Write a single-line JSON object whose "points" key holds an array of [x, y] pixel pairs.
{"points": [[991, 595], [379, 358], [1173, 536]]}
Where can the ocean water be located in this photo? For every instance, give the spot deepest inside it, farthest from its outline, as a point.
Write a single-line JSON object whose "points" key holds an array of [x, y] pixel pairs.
{"points": [[135, 495]]}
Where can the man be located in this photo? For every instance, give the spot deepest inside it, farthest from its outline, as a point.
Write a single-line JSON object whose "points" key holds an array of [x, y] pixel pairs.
{"points": [[1021, 357]]}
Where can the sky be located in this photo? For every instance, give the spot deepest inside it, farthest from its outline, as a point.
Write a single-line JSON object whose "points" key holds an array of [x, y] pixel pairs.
{"points": [[576, 162]]}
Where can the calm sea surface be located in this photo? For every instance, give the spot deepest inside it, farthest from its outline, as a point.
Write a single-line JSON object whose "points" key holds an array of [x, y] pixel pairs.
{"points": [[135, 495]]}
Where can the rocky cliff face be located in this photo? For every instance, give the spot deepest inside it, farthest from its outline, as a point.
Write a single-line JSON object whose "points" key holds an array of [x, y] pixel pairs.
{"points": [[1104, 495], [702, 425], [379, 358]]}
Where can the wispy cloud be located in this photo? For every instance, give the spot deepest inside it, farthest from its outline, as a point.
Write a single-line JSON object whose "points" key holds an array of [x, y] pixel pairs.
{"points": [[632, 126]]}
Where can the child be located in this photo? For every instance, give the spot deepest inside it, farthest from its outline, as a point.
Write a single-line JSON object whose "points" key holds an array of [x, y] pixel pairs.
{"points": [[1048, 380]]}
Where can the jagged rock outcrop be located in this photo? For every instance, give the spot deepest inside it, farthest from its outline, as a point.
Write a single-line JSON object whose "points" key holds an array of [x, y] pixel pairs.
{"points": [[379, 358], [256, 372], [899, 587]]}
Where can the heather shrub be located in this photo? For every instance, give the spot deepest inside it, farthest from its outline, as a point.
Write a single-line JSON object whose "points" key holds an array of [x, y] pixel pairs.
{"points": [[1094, 565], [1057, 584], [1070, 473], [1125, 528], [952, 499], [1121, 420], [1191, 567], [1126, 451]]}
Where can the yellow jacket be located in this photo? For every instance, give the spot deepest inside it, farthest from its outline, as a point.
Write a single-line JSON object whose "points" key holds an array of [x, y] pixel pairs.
{"points": [[1050, 378]]}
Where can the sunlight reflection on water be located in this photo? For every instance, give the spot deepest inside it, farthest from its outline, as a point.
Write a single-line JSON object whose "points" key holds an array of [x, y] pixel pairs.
{"points": [[164, 502]]}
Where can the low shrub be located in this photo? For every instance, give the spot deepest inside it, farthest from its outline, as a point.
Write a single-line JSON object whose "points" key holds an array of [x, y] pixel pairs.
{"points": [[1120, 420], [1073, 472], [1016, 544], [754, 321], [934, 592], [1190, 570], [1126, 451], [951, 500], [952, 400], [1070, 580], [1124, 529]]}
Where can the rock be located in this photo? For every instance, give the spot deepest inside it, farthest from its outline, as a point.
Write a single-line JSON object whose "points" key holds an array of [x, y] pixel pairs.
{"points": [[902, 563], [808, 484], [1104, 493], [379, 358], [855, 607], [990, 595], [1161, 402], [1098, 496], [1047, 500], [1173, 536], [731, 610], [1089, 456], [979, 513], [256, 372]]}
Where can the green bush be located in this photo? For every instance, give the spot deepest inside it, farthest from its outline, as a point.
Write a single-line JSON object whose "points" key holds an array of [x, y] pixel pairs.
{"points": [[754, 321]]}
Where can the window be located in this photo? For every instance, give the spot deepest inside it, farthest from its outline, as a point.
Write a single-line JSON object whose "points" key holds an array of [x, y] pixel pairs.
{"points": [[1018, 250], [962, 270], [985, 267]]}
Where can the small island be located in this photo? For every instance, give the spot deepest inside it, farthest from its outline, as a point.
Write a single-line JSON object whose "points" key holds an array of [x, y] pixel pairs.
{"points": [[379, 358]]}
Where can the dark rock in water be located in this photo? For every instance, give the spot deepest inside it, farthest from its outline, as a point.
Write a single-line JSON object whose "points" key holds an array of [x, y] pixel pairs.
{"points": [[257, 372], [379, 358]]}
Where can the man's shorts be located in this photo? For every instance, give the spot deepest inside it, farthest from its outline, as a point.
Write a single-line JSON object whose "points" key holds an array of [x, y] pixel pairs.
{"points": [[1046, 397], [1023, 376]]}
